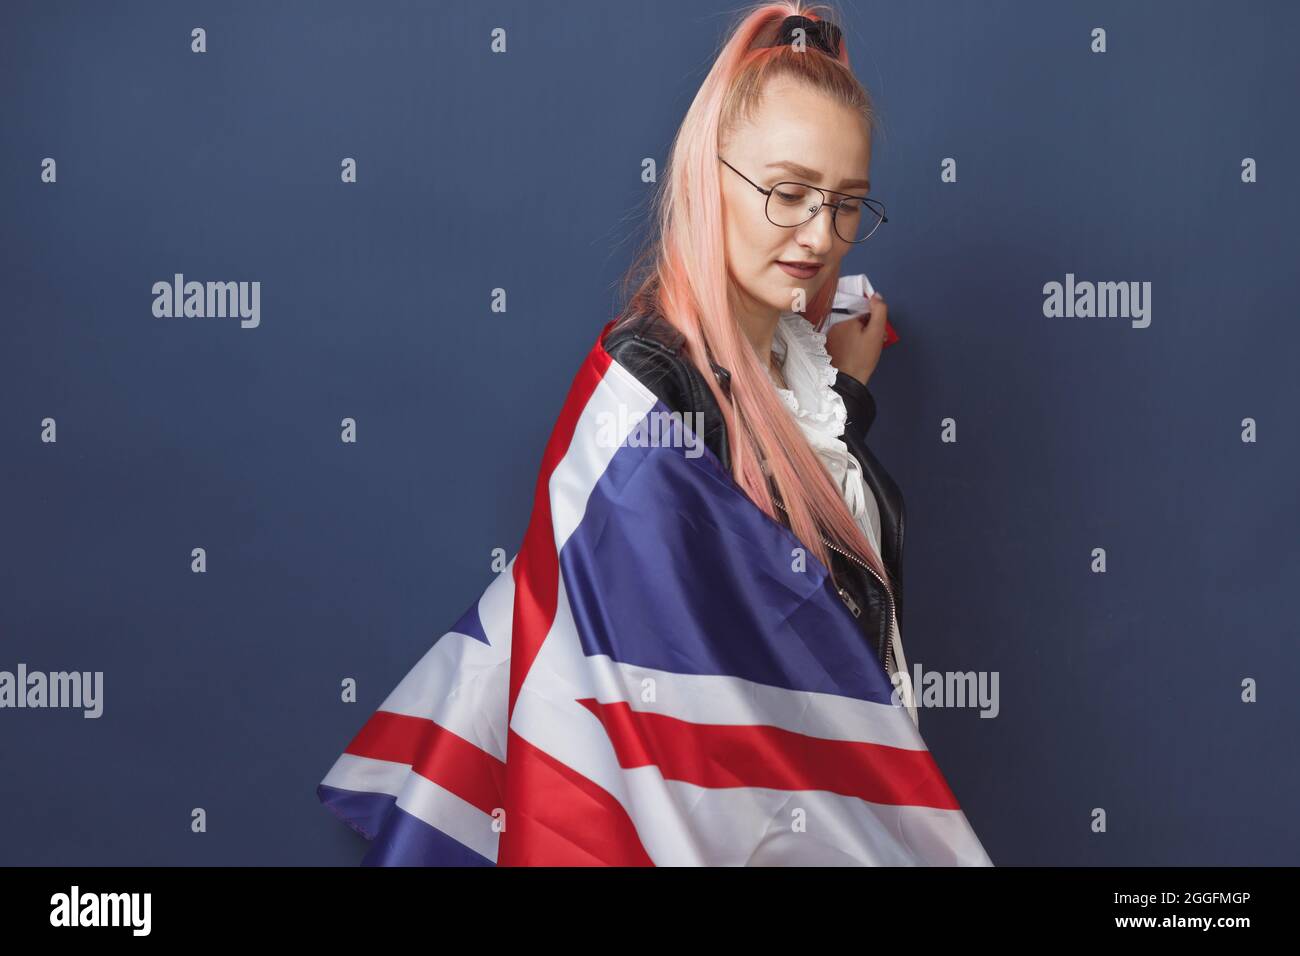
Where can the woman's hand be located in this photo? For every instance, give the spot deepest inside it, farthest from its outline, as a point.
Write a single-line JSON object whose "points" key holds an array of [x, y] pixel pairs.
{"points": [[854, 346]]}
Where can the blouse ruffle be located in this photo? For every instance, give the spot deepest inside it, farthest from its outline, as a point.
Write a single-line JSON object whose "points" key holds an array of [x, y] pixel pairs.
{"points": [[816, 406]]}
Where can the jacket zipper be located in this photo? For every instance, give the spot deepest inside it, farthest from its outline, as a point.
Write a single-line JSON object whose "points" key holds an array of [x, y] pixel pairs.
{"points": [[851, 604]]}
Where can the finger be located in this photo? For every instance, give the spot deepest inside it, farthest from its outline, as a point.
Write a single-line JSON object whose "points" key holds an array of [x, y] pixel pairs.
{"points": [[878, 313]]}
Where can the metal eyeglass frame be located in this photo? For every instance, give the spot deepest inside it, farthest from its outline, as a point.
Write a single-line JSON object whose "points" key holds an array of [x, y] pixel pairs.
{"points": [[835, 206]]}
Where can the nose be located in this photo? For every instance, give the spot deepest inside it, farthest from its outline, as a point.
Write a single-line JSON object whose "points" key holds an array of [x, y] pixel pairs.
{"points": [[817, 235]]}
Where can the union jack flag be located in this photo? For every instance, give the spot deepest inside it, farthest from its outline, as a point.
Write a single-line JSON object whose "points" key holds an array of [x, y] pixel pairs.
{"points": [[651, 680]]}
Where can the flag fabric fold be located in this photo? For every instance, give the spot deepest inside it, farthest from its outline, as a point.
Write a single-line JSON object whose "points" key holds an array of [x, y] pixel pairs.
{"points": [[660, 676]]}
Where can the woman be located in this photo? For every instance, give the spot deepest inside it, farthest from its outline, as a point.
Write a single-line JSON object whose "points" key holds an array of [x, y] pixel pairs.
{"points": [[672, 669], [721, 300]]}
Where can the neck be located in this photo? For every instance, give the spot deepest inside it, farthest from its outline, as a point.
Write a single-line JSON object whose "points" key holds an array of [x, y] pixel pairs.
{"points": [[758, 322]]}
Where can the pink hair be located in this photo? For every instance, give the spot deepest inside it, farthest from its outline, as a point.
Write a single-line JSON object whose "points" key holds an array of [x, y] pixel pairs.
{"points": [[683, 276]]}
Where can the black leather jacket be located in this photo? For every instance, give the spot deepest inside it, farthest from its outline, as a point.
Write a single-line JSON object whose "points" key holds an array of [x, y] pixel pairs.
{"points": [[653, 350]]}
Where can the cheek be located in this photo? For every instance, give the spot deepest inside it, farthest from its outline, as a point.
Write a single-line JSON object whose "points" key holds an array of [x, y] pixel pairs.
{"points": [[758, 244], [745, 248]]}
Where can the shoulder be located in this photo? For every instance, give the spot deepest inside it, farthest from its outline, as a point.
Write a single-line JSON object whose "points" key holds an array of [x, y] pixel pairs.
{"points": [[646, 343], [656, 352], [652, 349]]}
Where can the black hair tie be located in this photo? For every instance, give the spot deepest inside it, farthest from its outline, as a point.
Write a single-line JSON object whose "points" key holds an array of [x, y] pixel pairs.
{"points": [[823, 35]]}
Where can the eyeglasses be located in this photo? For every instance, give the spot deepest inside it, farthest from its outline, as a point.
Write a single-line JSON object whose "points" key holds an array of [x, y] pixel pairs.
{"points": [[854, 218]]}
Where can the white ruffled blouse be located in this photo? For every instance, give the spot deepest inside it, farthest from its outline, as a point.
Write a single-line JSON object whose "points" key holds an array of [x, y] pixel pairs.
{"points": [[820, 413]]}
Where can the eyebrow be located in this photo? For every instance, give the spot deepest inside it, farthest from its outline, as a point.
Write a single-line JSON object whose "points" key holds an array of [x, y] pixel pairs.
{"points": [[812, 175]]}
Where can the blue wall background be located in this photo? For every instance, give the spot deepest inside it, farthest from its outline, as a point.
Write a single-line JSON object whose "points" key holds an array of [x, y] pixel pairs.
{"points": [[325, 560]]}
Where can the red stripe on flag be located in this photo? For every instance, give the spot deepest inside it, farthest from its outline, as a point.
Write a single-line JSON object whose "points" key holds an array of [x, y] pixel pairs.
{"points": [[537, 567], [567, 819], [434, 752], [554, 815], [725, 755]]}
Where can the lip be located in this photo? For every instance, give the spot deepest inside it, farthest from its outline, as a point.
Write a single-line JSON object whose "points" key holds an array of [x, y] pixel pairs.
{"points": [[800, 270]]}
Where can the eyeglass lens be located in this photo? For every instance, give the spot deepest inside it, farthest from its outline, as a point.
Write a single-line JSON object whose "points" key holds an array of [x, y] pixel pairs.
{"points": [[793, 204]]}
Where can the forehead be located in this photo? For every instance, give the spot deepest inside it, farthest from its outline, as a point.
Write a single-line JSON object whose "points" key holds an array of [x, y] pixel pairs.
{"points": [[796, 123]]}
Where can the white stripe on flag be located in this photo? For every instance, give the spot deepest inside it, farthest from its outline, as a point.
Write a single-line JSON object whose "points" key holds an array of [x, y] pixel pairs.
{"points": [[420, 797], [755, 826], [721, 699], [587, 456], [460, 683]]}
